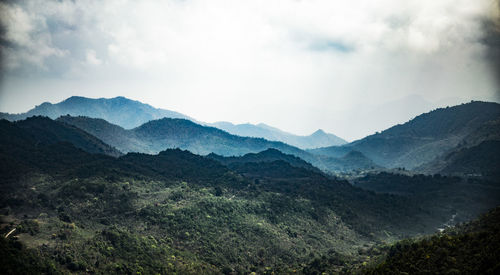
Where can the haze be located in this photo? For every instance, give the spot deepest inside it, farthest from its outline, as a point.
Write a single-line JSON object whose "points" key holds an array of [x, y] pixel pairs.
{"points": [[347, 67]]}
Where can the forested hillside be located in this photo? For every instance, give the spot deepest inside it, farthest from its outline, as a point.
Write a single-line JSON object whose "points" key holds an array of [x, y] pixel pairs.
{"points": [[423, 138], [472, 248], [158, 135], [179, 212]]}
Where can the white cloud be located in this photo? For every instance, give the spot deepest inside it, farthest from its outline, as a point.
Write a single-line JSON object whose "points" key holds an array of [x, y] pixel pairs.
{"points": [[92, 59], [29, 42], [298, 65]]}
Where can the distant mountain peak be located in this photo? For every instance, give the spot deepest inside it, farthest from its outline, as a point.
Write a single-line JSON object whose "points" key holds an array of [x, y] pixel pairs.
{"points": [[119, 110], [318, 139], [319, 132]]}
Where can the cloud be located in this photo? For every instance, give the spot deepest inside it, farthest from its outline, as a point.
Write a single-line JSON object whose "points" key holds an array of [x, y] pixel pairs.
{"points": [[25, 40], [92, 59], [301, 64], [491, 39]]}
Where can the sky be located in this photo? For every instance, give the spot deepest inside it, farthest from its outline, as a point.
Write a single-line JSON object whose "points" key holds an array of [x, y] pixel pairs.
{"points": [[348, 67]]}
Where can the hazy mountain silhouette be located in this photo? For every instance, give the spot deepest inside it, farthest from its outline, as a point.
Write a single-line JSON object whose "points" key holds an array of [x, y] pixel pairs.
{"points": [[121, 111], [75, 209], [315, 140], [157, 135], [129, 114]]}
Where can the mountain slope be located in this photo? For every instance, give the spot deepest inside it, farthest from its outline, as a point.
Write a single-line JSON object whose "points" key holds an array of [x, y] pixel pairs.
{"points": [[158, 135], [119, 110], [268, 155], [129, 114], [480, 160], [177, 212], [315, 140], [25, 147], [423, 138], [476, 155], [473, 248], [454, 198], [36, 130]]}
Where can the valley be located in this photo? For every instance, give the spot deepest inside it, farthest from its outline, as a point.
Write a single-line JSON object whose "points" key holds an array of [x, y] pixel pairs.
{"points": [[171, 196]]}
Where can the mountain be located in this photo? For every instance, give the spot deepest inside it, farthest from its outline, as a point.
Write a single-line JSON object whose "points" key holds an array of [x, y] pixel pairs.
{"points": [[352, 160], [129, 114], [472, 248], [381, 115], [69, 211], [268, 155], [423, 138], [476, 155], [261, 130], [119, 110], [27, 146], [157, 135], [456, 198], [43, 130], [480, 160], [65, 207]]}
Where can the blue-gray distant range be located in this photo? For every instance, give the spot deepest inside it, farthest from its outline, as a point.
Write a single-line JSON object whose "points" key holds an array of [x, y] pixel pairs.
{"points": [[130, 114], [463, 139], [317, 139]]}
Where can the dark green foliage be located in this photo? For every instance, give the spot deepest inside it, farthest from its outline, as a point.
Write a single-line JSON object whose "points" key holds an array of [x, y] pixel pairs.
{"points": [[178, 164], [262, 217], [15, 259], [330, 263], [268, 155], [443, 196], [176, 212], [470, 249], [45, 130], [28, 226]]}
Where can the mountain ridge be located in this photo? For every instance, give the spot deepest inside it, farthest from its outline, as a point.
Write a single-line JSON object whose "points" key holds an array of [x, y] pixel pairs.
{"points": [[130, 114], [118, 110], [157, 135], [315, 140], [421, 139]]}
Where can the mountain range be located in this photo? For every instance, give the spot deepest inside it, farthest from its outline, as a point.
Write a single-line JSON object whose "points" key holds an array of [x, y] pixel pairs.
{"points": [[433, 142], [130, 114], [476, 155], [317, 139], [157, 135], [177, 212], [119, 110], [421, 139], [83, 195]]}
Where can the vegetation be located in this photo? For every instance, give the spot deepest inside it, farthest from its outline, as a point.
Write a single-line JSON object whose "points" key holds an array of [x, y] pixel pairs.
{"points": [[423, 138], [473, 248], [449, 197], [158, 135], [73, 205], [93, 212]]}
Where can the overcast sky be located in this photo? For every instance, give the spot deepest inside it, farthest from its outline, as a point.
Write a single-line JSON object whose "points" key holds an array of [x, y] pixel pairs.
{"points": [[347, 67]]}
